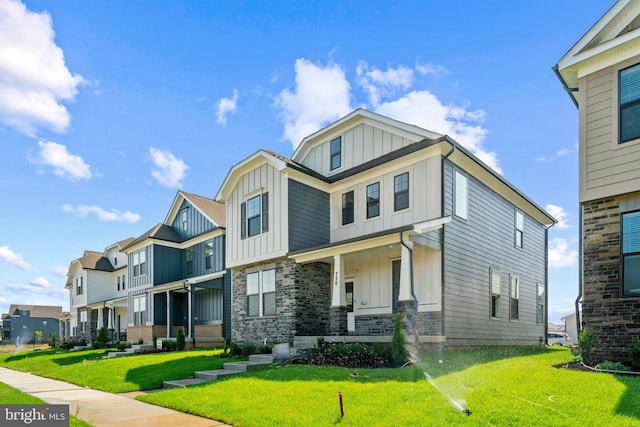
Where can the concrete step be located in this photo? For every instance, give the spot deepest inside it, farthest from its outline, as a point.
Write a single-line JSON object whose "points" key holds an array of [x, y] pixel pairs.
{"points": [[215, 374], [261, 358]]}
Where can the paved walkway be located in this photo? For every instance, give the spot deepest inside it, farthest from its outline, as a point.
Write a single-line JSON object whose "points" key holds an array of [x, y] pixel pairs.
{"points": [[100, 408]]}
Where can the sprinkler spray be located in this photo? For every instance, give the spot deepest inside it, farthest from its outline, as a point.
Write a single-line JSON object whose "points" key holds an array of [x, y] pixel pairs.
{"points": [[455, 404]]}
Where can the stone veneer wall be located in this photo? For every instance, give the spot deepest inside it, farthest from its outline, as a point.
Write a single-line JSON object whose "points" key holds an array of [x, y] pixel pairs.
{"points": [[303, 298], [428, 323], [614, 321]]}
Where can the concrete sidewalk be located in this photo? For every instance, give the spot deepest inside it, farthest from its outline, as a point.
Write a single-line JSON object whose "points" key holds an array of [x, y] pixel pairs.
{"points": [[101, 408]]}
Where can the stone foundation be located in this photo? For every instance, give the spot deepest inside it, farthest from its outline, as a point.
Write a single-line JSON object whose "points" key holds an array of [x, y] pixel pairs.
{"points": [[338, 321], [613, 319]]}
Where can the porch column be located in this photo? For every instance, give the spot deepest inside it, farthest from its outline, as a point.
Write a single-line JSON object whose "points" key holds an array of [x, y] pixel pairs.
{"points": [[338, 310], [189, 303], [338, 297], [169, 327], [405, 275], [100, 322]]}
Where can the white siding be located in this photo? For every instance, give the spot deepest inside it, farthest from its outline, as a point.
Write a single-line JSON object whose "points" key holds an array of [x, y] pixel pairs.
{"points": [[360, 144], [265, 245], [424, 200], [100, 286]]}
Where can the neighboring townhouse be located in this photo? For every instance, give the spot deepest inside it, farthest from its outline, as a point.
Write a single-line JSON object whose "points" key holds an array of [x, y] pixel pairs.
{"points": [[97, 284], [22, 321], [177, 275], [370, 218], [601, 73]]}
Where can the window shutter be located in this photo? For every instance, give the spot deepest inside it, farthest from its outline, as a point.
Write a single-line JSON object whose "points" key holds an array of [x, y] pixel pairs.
{"points": [[265, 212], [243, 220]]}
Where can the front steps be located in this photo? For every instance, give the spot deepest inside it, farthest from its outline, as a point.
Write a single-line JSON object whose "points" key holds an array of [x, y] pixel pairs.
{"points": [[230, 368], [135, 348]]}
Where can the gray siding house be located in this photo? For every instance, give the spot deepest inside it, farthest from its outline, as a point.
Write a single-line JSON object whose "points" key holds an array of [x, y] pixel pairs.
{"points": [[177, 275], [22, 321], [601, 73], [371, 218]]}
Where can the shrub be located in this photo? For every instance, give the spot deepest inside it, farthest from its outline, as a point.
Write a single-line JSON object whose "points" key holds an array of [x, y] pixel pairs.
{"points": [[53, 339], [264, 349], [320, 342], [585, 341], [634, 354], [103, 338], [398, 350], [180, 342], [612, 366], [246, 349], [154, 340], [351, 355]]}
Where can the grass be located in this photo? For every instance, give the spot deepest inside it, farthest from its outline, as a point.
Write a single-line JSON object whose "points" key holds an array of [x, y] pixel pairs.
{"points": [[11, 396], [117, 375], [501, 387]]}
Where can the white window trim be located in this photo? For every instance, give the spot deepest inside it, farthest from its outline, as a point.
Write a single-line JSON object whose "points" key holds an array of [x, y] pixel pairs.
{"points": [[260, 294], [460, 195], [519, 230]]}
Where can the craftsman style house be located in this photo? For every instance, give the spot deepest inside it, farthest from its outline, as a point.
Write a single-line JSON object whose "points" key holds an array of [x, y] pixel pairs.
{"points": [[601, 73], [370, 218], [177, 277], [97, 284]]}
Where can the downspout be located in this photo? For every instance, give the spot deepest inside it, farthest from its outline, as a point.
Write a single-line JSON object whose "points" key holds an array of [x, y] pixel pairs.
{"points": [[580, 276], [442, 213]]}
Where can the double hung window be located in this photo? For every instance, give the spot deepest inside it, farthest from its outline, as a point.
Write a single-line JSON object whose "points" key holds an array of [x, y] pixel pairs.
{"points": [[347, 208], [261, 293], [629, 96], [254, 216], [373, 200], [401, 192], [336, 153]]}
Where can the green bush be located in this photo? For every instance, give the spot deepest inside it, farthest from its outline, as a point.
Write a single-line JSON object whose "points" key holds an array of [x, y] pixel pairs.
{"points": [[585, 341], [53, 339], [264, 349], [634, 354], [398, 350], [246, 349], [350, 355], [180, 340], [612, 366]]}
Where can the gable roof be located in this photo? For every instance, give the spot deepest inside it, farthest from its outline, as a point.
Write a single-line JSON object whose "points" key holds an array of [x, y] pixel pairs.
{"points": [[48, 311], [92, 260], [157, 232], [214, 211], [614, 38]]}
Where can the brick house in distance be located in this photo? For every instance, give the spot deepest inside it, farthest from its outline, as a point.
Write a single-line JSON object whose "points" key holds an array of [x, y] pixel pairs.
{"points": [[601, 73]]}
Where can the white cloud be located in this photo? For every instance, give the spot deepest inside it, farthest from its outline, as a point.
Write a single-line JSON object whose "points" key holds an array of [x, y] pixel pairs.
{"points": [[424, 109], [321, 95], [168, 170], [380, 84], [18, 289], [429, 69], [560, 255], [7, 256], [59, 270], [34, 79], [63, 163], [559, 153], [560, 214], [40, 282], [225, 107], [83, 211]]}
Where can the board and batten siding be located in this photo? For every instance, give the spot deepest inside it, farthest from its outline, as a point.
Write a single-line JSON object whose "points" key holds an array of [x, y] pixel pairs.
{"points": [[606, 167], [143, 280], [272, 243], [196, 222], [360, 144], [168, 264], [472, 248], [424, 200], [308, 213], [199, 260]]}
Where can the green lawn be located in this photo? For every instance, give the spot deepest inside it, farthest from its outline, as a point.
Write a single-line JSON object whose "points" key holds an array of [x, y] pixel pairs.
{"points": [[499, 387], [11, 396], [117, 375]]}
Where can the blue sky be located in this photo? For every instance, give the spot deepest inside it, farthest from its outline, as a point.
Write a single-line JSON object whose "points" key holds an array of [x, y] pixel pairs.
{"points": [[107, 108]]}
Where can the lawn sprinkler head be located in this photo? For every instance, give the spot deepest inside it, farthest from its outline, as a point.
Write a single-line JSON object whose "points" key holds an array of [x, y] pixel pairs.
{"points": [[466, 411]]}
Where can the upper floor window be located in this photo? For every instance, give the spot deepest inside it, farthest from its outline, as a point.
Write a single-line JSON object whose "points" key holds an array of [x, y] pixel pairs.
{"points": [[336, 153], [189, 261], [254, 216], [629, 115], [496, 290], [401, 192], [208, 255], [373, 200], [631, 253], [79, 286], [261, 293], [347, 208], [460, 195], [115, 260], [515, 297], [519, 229], [139, 263], [118, 282], [123, 279], [184, 219]]}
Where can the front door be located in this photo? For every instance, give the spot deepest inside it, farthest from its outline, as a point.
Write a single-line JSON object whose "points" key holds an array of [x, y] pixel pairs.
{"points": [[351, 318]]}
